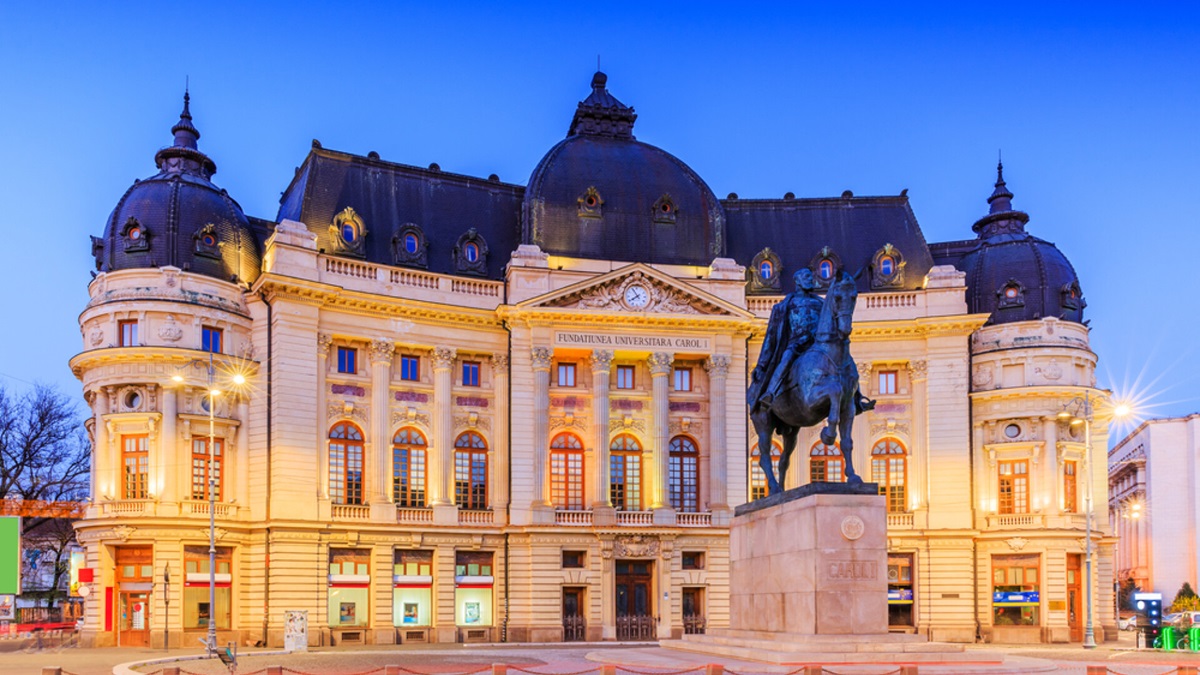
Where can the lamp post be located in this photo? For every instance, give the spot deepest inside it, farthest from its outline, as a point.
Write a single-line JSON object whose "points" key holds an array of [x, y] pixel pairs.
{"points": [[1079, 410], [212, 393]]}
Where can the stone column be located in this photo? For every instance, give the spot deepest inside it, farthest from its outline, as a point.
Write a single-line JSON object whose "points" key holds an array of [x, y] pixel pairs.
{"points": [[602, 510], [499, 465], [324, 343], [441, 469], [608, 591], [169, 455], [717, 366], [543, 357], [918, 375], [660, 372], [1052, 467], [378, 469], [100, 449], [242, 491]]}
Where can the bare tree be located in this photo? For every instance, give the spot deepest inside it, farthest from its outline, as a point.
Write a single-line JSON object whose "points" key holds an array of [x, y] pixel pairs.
{"points": [[44, 450]]}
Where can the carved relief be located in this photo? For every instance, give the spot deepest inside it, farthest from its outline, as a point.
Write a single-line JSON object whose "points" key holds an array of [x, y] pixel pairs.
{"points": [[324, 343], [499, 363], [1017, 543], [410, 416], [349, 409], [626, 423], [568, 422], [853, 527], [889, 427], [170, 331], [918, 370], [983, 376], [123, 532], [443, 357], [717, 365], [661, 363], [348, 233], [96, 336], [543, 358], [887, 268], [601, 360], [635, 546], [1052, 371], [661, 297], [382, 349], [471, 421]]}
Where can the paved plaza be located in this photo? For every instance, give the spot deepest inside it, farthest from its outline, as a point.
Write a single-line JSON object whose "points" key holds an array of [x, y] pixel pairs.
{"points": [[576, 659]]}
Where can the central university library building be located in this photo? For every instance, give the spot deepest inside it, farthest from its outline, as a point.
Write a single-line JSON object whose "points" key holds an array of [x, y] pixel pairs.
{"points": [[479, 411]]}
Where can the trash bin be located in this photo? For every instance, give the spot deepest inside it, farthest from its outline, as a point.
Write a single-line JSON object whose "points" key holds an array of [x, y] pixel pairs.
{"points": [[1194, 638], [1168, 637]]}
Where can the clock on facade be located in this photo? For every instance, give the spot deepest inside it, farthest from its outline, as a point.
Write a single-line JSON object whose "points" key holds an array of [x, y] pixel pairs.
{"points": [[637, 296]]}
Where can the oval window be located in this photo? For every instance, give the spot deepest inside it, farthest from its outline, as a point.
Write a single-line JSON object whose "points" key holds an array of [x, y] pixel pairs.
{"points": [[1012, 431], [590, 200], [666, 207], [348, 232], [472, 252], [825, 269], [209, 240], [766, 270], [135, 233], [410, 242], [133, 400], [887, 266]]}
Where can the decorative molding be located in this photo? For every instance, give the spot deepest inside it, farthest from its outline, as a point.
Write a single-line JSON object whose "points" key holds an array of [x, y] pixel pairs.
{"points": [[499, 364], [382, 350], [324, 343], [635, 546], [1017, 543], [664, 299], [170, 331], [542, 357], [601, 361], [717, 365], [355, 245], [918, 370], [443, 357], [661, 363], [123, 532]]}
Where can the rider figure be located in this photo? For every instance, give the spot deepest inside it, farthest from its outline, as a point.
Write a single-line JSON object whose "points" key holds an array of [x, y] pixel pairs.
{"points": [[791, 329]]}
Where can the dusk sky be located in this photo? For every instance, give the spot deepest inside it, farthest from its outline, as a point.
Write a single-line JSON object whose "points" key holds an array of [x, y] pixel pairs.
{"points": [[1096, 108]]}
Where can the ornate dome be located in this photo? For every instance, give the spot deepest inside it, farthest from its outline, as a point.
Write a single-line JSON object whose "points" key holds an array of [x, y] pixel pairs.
{"points": [[1015, 276], [602, 194], [179, 218]]}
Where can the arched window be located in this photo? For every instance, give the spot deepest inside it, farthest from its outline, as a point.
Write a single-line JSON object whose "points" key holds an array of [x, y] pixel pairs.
{"points": [[826, 464], [825, 269], [889, 469], [683, 473], [625, 473], [887, 266], [566, 472], [470, 472], [408, 467], [345, 464], [766, 270], [758, 479]]}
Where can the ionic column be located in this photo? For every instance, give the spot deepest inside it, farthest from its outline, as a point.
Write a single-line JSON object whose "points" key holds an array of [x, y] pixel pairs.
{"points": [[324, 343], [379, 483], [543, 357], [601, 368], [441, 472], [500, 468], [1052, 467], [660, 371], [717, 366], [169, 454]]}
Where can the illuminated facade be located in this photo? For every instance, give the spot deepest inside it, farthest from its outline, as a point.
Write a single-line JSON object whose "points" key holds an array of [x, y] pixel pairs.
{"points": [[488, 411]]}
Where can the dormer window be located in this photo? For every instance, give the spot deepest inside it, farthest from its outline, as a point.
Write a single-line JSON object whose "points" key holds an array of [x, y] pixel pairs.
{"points": [[470, 254], [887, 268], [137, 237], [825, 266], [765, 272], [206, 242], [1072, 297], [1011, 294], [825, 269], [409, 246], [471, 251], [347, 233], [664, 210]]}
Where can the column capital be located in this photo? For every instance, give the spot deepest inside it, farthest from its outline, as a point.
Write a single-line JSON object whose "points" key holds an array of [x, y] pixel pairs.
{"points": [[443, 357], [543, 358], [601, 360], [382, 349], [918, 370], [717, 365], [500, 363], [660, 363], [324, 342]]}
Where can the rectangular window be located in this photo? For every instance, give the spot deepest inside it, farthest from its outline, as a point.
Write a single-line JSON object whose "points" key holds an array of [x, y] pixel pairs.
{"points": [[410, 368], [200, 467], [566, 374], [129, 333], [347, 360], [1070, 487], [1014, 486], [196, 610], [412, 597], [349, 586], [573, 559], [692, 560], [473, 564], [887, 382], [135, 458], [900, 589], [624, 377], [1015, 590], [210, 339], [683, 379], [470, 374]]}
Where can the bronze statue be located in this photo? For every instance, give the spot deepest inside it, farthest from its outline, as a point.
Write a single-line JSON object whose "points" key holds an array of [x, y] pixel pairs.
{"points": [[805, 374]]}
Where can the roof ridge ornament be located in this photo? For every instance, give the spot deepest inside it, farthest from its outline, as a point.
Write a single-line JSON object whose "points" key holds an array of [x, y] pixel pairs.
{"points": [[601, 114]]}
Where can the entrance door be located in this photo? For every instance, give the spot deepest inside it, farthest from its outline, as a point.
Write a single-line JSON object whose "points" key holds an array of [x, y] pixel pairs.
{"points": [[635, 611], [133, 619], [574, 626], [1075, 617]]}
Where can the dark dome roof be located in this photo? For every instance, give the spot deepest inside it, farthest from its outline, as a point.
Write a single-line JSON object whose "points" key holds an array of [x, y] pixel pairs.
{"points": [[602, 194], [1015, 276], [179, 218]]}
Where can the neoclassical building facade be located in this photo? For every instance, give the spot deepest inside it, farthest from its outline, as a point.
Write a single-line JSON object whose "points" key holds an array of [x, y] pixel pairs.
{"points": [[483, 411]]}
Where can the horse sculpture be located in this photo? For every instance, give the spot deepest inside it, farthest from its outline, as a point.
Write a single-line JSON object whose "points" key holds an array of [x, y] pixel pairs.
{"points": [[822, 384]]}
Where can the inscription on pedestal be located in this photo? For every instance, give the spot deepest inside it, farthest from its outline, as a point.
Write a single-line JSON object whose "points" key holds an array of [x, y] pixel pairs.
{"points": [[852, 569]]}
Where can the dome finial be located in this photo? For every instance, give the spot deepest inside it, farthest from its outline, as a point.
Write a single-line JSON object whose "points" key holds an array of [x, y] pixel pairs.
{"points": [[185, 147], [185, 132], [601, 114], [1001, 199]]}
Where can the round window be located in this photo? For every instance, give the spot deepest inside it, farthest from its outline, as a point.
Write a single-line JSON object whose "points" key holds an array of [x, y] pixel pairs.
{"points": [[766, 270], [348, 233], [133, 400], [410, 242], [887, 266], [204, 403], [1012, 431], [825, 269], [209, 240], [665, 207], [1010, 292], [472, 252], [135, 233], [590, 200]]}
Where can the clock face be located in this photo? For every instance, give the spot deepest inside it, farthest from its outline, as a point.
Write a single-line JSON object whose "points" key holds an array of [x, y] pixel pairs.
{"points": [[637, 296]]}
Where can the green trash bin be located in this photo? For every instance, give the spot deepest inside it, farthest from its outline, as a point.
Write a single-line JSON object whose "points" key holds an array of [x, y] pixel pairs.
{"points": [[1194, 638], [1168, 637]]}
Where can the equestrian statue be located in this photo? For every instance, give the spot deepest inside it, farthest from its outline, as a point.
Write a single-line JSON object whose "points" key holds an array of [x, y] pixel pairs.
{"points": [[805, 374]]}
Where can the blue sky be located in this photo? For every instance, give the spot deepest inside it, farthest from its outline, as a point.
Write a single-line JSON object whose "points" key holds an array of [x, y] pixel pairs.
{"points": [[1095, 107]]}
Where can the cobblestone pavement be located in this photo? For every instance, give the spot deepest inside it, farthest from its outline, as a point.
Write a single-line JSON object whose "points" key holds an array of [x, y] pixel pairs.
{"points": [[577, 659]]}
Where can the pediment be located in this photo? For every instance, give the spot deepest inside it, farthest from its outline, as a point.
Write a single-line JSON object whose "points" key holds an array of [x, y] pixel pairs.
{"points": [[612, 293]]}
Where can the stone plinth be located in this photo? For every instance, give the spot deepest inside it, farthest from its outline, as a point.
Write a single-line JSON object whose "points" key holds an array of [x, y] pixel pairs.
{"points": [[811, 561]]}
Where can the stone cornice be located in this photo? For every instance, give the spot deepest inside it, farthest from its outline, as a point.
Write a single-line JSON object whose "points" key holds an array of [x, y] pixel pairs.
{"points": [[552, 316], [163, 361], [934, 326]]}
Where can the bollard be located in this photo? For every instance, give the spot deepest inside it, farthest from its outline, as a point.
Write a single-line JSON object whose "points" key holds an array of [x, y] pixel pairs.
{"points": [[1194, 638], [1097, 670], [813, 670], [1168, 638], [391, 670], [607, 669], [173, 670], [55, 670], [274, 670], [908, 670], [499, 669], [1186, 670], [714, 669]]}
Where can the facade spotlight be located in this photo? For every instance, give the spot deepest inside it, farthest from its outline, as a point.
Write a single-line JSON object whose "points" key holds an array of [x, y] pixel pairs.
{"points": [[177, 378], [239, 379]]}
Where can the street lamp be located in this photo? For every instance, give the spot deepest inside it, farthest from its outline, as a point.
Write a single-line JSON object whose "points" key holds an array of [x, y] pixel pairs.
{"points": [[1079, 410], [212, 393]]}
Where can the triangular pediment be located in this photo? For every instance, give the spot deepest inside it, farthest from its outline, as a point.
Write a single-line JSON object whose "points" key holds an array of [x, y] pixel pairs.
{"points": [[636, 288]]}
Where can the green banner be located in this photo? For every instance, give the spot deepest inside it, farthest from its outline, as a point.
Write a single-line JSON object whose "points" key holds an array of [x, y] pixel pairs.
{"points": [[10, 555]]}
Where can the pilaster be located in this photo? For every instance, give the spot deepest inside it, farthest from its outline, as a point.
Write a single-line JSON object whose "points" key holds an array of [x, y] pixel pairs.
{"points": [[377, 469], [441, 472], [717, 366], [169, 455], [601, 362], [499, 464], [660, 371], [542, 358]]}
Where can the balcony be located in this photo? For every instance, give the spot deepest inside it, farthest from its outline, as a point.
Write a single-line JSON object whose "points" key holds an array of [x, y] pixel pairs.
{"points": [[127, 507], [408, 514], [487, 517], [200, 508], [572, 518], [357, 512], [693, 519], [900, 521], [635, 518]]}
